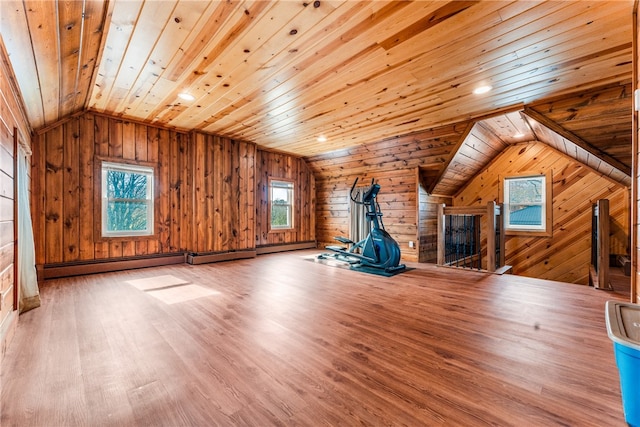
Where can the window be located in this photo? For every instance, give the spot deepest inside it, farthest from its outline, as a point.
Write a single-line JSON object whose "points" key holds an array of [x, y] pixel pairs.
{"points": [[127, 200], [527, 201], [281, 201]]}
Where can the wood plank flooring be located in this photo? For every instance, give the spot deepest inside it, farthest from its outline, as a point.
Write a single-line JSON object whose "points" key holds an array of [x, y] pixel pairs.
{"points": [[282, 341]]}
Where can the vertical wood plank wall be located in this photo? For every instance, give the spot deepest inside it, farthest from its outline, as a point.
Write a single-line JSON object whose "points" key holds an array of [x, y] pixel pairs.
{"points": [[397, 199], [276, 165], [394, 163], [12, 118], [66, 184], [564, 256], [206, 191], [428, 224], [224, 185]]}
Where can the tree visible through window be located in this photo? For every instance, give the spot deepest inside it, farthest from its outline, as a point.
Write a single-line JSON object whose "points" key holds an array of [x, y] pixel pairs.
{"points": [[281, 200], [127, 200]]}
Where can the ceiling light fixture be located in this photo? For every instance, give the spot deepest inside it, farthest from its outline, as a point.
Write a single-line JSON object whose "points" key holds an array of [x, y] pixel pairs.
{"points": [[322, 138], [482, 89], [186, 96], [518, 135]]}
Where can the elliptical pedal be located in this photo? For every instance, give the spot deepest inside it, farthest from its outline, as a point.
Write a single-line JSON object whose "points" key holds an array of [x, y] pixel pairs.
{"points": [[344, 240]]}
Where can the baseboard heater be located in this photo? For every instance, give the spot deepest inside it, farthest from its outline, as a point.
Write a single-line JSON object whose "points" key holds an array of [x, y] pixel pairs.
{"points": [[205, 258], [52, 271], [282, 247]]}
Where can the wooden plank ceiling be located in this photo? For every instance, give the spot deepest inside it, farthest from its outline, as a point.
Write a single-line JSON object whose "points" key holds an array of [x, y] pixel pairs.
{"points": [[284, 73]]}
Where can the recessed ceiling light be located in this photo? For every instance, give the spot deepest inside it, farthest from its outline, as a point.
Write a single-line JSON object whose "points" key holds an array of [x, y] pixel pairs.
{"points": [[186, 96], [518, 135], [322, 138], [482, 89]]}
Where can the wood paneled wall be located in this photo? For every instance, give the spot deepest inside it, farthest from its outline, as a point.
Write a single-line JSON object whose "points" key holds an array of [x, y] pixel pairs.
{"points": [[206, 194], [13, 126], [397, 199], [224, 186], [394, 163], [428, 224], [277, 165], [66, 188], [566, 255]]}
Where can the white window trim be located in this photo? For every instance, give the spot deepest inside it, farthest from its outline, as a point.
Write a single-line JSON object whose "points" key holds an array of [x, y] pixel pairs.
{"points": [[508, 225], [149, 200], [546, 229], [289, 185]]}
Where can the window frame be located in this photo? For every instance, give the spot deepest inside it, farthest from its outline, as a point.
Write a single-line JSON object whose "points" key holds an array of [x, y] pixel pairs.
{"points": [[143, 168], [287, 183], [546, 229]]}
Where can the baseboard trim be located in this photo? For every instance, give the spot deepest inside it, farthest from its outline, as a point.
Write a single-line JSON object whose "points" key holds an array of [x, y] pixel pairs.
{"points": [[52, 271], [268, 249], [195, 258]]}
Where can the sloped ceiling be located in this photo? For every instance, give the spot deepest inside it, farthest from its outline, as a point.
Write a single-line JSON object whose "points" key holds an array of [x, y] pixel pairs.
{"points": [[602, 115], [283, 73]]}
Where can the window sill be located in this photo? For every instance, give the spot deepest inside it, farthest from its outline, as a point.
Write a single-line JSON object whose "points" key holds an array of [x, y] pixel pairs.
{"points": [[527, 233]]}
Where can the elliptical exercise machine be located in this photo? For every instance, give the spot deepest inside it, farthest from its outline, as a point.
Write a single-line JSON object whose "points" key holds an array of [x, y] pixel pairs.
{"points": [[378, 249]]}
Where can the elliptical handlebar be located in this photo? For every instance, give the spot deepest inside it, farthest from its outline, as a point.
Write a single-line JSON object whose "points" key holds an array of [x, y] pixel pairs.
{"points": [[368, 196]]}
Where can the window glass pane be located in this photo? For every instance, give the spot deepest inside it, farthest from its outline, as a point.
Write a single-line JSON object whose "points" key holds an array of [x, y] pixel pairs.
{"points": [[525, 198], [126, 185], [529, 215], [127, 216], [281, 201], [525, 191], [127, 194], [279, 216], [280, 195]]}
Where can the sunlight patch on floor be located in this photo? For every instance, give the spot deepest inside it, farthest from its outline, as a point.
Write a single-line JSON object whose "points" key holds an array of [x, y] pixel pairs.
{"points": [[183, 293], [157, 282]]}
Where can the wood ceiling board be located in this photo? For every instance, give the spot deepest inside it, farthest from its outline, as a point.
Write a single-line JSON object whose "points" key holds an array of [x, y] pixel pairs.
{"points": [[502, 56], [459, 101], [45, 37], [305, 45], [302, 81], [441, 138], [70, 24], [15, 35], [427, 21], [507, 126], [227, 103], [280, 134], [555, 128], [599, 162], [490, 43], [290, 104], [119, 29], [205, 35], [151, 22], [170, 44], [282, 100], [235, 70], [603, 118], [225, 39], [175, 52], [450, 158], [95, 18]]}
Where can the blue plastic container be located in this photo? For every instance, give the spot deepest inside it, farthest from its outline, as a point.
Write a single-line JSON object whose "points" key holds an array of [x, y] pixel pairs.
{"points": [[623, 327]]}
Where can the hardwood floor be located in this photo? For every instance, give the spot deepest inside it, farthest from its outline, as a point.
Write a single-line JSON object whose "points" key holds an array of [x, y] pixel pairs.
{"points": [[279, 340]]}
